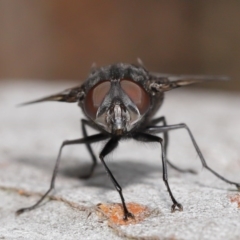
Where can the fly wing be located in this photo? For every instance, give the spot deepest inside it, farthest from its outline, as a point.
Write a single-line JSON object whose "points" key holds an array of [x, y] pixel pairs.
{"points": [[161, 82], [69, 95]]}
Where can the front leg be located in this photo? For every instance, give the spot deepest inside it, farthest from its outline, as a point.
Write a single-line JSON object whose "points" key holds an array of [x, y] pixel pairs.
{"points": [[144, 137], [165, 145], [109, 147]]}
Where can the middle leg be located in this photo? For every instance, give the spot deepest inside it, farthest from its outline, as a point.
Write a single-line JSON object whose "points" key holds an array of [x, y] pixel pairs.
{"points": [[90, 139], [84, 122], [161, 129]]}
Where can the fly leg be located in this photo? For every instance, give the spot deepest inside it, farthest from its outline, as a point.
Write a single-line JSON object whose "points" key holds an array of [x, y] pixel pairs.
{"points": [[144, 137], [162, 129], [109, 147], [165, 144], [84, 122], [90, 139]]}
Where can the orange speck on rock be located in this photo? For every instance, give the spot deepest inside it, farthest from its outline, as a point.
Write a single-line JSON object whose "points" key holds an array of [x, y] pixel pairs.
{"points": [[114, 213], [21, 192], [236, 198]]}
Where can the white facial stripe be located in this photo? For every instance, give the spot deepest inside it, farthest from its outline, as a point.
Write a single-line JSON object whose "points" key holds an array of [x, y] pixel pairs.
{"points": [[117, 112]]}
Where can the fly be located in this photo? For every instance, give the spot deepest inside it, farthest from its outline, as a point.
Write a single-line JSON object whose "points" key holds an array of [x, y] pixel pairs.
{"points": [[120, 101]]}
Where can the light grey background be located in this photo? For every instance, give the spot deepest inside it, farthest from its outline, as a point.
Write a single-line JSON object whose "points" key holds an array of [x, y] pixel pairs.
{"points": [[30, 139]]}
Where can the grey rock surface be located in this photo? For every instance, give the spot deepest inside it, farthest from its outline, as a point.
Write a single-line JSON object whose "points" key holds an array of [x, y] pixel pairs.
{"points": [[31, 137]]}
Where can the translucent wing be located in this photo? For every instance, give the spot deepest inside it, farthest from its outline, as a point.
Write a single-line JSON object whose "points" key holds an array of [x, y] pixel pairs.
{"points": [[69, 95], [164, 82]]}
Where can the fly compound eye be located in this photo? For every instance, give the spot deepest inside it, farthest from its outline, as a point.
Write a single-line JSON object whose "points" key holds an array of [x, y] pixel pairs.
{"points": [[94, 98], [137, 94]]}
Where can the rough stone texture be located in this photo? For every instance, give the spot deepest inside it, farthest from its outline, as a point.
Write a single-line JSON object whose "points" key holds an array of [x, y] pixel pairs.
{"points": [[31, 136]]}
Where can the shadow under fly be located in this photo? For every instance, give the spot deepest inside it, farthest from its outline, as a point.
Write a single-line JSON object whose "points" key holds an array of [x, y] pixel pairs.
{"points": [[120, 101]]}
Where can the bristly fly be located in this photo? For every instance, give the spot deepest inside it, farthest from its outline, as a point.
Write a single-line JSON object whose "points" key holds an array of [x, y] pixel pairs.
{"points": [[120, 101]]}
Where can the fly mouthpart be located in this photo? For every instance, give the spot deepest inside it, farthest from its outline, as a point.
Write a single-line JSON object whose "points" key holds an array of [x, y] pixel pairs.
{"points": [[118, 119]]}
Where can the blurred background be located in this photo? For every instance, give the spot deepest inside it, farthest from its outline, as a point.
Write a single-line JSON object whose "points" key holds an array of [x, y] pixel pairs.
{"points": [[59, 40]]}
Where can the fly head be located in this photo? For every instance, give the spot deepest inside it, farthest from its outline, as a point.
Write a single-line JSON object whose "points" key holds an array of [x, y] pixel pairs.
{"points": [[117, 101]]}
